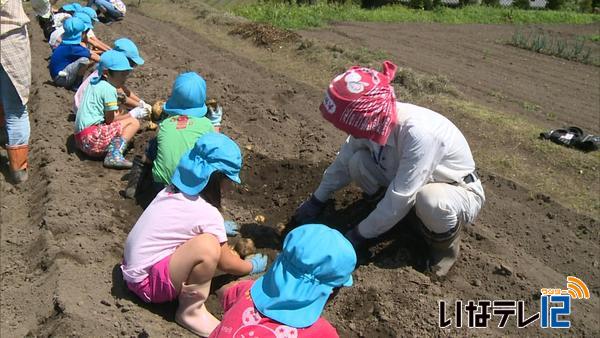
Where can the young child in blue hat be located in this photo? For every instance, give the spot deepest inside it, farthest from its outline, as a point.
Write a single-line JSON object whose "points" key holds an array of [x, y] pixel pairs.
{"points": [[113, 10], [102, 128], [179, 241], [287, 301], [88, 37], [186, 120], [70, 60], [127, 47]]}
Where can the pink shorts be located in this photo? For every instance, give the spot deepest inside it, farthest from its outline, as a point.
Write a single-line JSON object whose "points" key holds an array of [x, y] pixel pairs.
{"points": [[157, 287], [94, 140]]}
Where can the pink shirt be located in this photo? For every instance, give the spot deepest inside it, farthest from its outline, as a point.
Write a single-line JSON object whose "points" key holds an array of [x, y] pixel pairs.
{"points": [[169, 221], [82, 87], [241, 319]]}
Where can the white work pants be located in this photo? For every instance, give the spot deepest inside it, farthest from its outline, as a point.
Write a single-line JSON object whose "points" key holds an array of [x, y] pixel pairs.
{"points": [[440, 206]]}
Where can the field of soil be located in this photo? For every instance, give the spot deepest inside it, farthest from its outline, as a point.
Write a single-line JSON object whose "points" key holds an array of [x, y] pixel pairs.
{"points": [[63, 231]]}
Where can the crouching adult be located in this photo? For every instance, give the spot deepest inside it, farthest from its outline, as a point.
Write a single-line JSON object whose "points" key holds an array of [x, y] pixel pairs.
{"points": [[406, 157]]}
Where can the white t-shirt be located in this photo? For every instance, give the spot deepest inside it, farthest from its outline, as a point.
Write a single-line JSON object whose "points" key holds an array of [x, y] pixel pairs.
{"points": [[170, 220]]}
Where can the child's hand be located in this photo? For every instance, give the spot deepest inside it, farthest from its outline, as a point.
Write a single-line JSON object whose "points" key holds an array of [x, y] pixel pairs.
{"points": [[231, 228], [259, 262], [138, 113], [215, 115]]}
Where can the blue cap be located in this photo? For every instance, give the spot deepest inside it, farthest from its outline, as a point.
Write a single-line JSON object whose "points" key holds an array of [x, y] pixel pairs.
{"points": [[130, 50], [85, 18], [314, 260], [72, 7], [188, 96], [73, 28], [212, 152], [90, 12], [111, 60]]}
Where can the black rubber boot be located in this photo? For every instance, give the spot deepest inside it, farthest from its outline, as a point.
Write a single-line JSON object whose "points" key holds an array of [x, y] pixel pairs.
{"points": [[46, 25], [135, 177]]}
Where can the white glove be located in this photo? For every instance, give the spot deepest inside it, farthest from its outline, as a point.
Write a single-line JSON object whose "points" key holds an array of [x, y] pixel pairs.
{"points": [[145, 106], [138, 113]]}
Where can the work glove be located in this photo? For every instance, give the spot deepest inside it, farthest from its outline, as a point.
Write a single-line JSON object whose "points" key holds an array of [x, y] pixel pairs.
{"points": [[308, 210], [146, 107], [232, 228], [138, 113], [215, 115], [259, 262], [354, 237]]}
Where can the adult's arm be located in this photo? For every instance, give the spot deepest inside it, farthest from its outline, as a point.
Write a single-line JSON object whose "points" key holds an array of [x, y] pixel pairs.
{"points": [[337, 175], [420, 153]]}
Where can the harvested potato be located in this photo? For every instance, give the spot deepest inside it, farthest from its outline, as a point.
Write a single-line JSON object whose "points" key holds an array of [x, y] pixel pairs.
{"points": [[245, 247]]}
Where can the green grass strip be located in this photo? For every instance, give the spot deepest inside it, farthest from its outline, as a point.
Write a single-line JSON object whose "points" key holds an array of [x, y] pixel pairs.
{"points": [[298, 17]]}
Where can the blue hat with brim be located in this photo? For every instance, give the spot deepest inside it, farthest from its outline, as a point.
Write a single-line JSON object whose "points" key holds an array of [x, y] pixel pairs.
{"points": [[73, 28], [111, 60], [130, 50], [72, 7], [90, 12], [85, 18], [188, 96], [211, 152], [315, 259]]}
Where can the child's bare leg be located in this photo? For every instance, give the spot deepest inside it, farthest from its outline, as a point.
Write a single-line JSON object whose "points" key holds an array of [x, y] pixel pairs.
{"points": [[195, 261], [129, 127]]}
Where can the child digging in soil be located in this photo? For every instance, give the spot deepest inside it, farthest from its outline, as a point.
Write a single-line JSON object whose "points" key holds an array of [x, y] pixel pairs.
{"points": [[70, 60], [288, 300], [186, 121], [101, 127], [179, 241], [132, 53]]}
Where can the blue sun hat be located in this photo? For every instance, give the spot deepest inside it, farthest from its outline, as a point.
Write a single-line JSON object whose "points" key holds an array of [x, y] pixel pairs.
{"points": [[129, 48], [73, 28], [212, 152], [72, 7], [90, 12], [315, 259], [188, 96], [111, 60], [85, 18]]}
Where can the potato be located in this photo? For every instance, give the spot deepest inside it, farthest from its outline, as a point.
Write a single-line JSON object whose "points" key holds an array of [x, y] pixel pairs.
{"points": [[245, 247]]}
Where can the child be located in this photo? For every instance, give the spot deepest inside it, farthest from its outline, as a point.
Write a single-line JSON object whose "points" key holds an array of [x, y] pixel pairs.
{"points": [[63, 13], [130, 50], [179, 241], [88, 38], [113, 10], [177, 133], [287, 300], [101, 128], [70, 60]]}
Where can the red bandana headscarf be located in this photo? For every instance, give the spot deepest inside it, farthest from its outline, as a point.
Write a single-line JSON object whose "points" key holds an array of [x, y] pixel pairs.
{"points": [[362, 102]]}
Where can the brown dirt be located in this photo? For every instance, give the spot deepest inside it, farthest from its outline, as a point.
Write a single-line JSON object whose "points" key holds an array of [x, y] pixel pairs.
{"points": [[546, 89], [62, 232]]}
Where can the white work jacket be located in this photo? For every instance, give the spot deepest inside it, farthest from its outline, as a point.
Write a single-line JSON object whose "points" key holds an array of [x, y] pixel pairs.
{"points": [[424, 147]]}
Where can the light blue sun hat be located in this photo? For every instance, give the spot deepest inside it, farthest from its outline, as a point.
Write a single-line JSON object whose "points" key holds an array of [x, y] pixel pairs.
{"points": [[130, 50], [315, 259], [188, 96], [111, 60], [212, 152], [90, 12], [85, 18], [73, 28]]}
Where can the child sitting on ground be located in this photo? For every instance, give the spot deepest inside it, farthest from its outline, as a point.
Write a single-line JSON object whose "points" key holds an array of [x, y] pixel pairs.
{"points": [[179, 241], [70, 60], [177, 133], [112, 10], [101, 128], [287, 300], [88, 37], [130, 50], [63, 13]]}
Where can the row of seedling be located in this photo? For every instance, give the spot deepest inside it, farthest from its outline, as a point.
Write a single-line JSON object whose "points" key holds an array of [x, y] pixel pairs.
{"points": [[545, 43]]}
